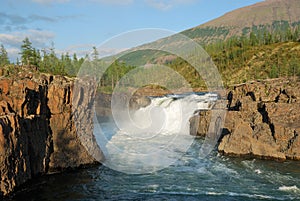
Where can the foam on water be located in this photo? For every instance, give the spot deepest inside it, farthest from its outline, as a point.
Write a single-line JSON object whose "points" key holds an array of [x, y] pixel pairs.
{"points": [[293, 189], [214, 177], [190, 178], [155, 136]]}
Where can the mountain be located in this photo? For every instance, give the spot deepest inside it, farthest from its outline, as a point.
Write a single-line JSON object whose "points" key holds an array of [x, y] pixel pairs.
{"points": [[269, 14], [254, 42]]}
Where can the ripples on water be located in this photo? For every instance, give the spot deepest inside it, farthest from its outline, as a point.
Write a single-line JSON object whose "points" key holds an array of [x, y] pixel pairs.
{"points": [[213, 178], [190, 178]]}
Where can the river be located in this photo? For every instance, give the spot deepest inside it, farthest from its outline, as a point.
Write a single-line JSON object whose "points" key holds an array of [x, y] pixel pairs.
{"points": [[212, 178], [128, 175]]}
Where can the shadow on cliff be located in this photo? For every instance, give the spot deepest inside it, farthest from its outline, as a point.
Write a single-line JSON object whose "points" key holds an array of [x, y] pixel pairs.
{"points": [[35, 125]]}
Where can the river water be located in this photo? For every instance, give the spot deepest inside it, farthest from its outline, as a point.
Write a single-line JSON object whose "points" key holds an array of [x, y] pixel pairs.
{"points": [[213, 178], [186, 177]]}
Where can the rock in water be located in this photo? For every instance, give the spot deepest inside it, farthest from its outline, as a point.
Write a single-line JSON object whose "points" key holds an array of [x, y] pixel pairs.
{"points": [[137, 101]]}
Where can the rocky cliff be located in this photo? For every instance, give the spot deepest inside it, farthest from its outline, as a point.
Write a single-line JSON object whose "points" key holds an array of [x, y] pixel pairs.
{"points": [[45, 125], [263, 120]]}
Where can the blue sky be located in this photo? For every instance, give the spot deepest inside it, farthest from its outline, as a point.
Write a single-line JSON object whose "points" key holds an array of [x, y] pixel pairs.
{"points": [[77, 25]]}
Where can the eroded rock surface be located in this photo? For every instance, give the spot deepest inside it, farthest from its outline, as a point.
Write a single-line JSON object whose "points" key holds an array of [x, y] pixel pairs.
{"points": [[42, 128], [263, 120]]}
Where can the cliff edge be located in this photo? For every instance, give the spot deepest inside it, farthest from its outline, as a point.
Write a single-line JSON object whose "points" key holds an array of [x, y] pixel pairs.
{"points": [[40, 131]]}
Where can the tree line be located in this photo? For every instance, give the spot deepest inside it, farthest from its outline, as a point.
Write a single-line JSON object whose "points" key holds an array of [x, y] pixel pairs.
{"points": [[229, 56], [264, 46], [47, 60]]}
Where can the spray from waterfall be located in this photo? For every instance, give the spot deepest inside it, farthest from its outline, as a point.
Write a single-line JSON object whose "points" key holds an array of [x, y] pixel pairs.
{"points": [[155, 136]]}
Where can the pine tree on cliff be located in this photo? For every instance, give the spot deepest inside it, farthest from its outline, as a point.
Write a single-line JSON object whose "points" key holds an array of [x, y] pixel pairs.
{"points": [[3, 56], [27, 52]]}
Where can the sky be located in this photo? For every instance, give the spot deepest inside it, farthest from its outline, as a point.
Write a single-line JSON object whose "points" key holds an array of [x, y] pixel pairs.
{"points": [[75, 26]]}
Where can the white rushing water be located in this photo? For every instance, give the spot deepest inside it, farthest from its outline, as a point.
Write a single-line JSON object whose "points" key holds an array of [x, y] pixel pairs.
{"points": [[153, 137], [140, 146]]}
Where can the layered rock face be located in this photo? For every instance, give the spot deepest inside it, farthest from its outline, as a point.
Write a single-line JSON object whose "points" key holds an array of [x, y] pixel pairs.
{"points": [[45, 125], [263, 120]]}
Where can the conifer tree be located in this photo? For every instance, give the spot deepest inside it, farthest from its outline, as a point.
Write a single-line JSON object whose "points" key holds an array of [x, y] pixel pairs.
{"points": [[27, 52], [3, 56]]}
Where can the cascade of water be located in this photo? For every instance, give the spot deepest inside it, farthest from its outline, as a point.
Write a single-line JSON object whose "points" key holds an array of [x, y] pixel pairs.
{"points": [[155, 136]]}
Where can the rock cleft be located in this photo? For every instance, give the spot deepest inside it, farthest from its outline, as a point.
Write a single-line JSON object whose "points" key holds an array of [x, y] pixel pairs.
{"points": [[39, 133], [262, 120]]}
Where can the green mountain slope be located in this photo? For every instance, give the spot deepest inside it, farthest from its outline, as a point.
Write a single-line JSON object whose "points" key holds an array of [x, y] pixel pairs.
{"points": [[255, 42], [269, 14]]}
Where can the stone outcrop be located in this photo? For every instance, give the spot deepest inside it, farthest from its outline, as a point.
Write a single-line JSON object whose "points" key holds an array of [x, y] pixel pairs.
{"points": [[136, 102], [199, 124], [263, 120], [45, 126]]}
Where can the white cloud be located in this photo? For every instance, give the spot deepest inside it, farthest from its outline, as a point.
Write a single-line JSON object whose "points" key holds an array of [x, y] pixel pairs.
{"points": [[167, 4], [40, 38], [11, 39], [14, 40], [13, 53], [37, 37]]}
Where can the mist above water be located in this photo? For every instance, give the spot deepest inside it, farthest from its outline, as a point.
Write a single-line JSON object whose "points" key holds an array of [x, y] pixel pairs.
{"points": [[153, 137]]}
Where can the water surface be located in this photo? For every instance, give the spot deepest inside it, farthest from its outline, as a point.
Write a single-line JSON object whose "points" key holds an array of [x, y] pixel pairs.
{"points": [[213, 178]]}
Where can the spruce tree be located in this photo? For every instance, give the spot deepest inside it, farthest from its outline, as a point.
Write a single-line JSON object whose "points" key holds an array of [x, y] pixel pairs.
{"points": [[3, 56], [27, 52]]}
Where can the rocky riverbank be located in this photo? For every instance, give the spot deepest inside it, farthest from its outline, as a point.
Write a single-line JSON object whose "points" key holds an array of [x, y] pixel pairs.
{"points": [[262, 121], [46, 123], [45, 126]]}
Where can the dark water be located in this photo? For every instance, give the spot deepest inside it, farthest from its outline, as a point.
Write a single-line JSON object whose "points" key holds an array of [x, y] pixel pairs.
{"points": [[213, 178]]}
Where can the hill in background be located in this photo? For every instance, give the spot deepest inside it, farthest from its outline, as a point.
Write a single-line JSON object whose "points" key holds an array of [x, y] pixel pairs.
{"points": [[272, 15], [255, 42]]}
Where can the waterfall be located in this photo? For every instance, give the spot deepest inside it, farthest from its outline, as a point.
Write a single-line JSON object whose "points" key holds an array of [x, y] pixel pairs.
{"points": [[155, 136]]}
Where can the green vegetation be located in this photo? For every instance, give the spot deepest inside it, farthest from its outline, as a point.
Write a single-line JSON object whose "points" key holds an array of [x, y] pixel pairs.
{"points": [[257, 54], [280, 31], [207, 34], [3, 56], [112, 75], [260, 55], [45, 61]]}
